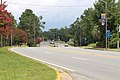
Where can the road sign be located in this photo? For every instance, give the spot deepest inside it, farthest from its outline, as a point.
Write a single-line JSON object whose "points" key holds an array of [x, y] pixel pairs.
{"points": [[103, 16], [104, 20], [108, 34]]}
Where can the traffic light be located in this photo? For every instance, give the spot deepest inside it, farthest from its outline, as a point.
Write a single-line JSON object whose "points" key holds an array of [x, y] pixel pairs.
{"points": [[103, 18]]}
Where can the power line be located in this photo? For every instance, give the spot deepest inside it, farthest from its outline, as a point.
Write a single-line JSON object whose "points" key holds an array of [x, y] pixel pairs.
{"points": [[49, 5], [10, 1]]}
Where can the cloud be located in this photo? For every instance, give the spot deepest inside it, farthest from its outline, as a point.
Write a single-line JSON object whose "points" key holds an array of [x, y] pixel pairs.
{"points": [[52, 11]]}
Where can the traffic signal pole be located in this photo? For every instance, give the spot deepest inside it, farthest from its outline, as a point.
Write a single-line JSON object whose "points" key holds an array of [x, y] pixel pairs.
{"points": [[106, 23], [106, 26], [106, 40]]}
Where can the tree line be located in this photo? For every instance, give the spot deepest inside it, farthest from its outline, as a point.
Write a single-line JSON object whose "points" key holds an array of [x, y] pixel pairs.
{"points": [[88, 28]]}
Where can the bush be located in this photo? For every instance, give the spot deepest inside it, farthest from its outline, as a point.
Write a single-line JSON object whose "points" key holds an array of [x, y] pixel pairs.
{"points": [[93, 45], [31, 43], [100, 44], [113, 45], [113, 41], [37, 41], [71, 43]]}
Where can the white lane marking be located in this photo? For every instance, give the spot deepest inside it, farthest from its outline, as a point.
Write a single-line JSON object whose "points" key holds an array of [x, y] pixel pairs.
{"points": [[45, 61], [79, 58]]}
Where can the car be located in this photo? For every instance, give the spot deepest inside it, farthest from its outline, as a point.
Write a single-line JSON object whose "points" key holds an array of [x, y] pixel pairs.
{"points": [[52, 42], [66, 45]]}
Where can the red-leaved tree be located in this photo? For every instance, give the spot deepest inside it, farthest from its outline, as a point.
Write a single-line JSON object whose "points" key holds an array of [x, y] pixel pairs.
{"points": [[19, 36], [5, 24]]}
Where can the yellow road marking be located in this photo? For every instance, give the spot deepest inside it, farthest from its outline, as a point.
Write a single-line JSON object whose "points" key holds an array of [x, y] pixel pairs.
{"points": [[79, 58], [73, 51], [65, 50]]}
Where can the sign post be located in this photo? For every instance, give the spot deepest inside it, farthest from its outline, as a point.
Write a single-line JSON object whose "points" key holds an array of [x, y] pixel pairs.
{"points": [[108, 36]]}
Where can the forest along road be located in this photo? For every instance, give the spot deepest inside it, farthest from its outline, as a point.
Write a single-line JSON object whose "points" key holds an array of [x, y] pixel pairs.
{"points": [[81, 64]]}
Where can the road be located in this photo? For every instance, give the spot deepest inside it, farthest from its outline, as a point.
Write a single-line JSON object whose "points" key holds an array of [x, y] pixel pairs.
{"points": [[82, 64]]}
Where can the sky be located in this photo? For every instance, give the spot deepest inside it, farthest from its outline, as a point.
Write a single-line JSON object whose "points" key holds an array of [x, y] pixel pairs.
{"points": [[56, 13]]}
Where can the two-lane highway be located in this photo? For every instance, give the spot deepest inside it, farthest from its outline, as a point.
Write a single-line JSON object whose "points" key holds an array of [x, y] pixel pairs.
{"points": [[82, 64]]}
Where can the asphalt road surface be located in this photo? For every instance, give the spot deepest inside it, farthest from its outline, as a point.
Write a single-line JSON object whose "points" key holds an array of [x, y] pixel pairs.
{"points": [[82, 64]]}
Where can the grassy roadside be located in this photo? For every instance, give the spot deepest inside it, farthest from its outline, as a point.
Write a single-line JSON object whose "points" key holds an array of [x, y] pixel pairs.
{"points": [[61, 42], [93, 46], [90, 46], [16, 67]]}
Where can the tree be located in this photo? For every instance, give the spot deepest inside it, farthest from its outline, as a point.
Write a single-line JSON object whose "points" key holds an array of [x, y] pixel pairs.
{"points": [[54, 34], [31, 24], [65, 34], [76, 32], [5, 23]]}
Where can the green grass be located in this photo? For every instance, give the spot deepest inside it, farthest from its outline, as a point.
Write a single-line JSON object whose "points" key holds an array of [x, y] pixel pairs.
{"points": [[16, 67], [115, 50], [61, 42], [93, 46]]}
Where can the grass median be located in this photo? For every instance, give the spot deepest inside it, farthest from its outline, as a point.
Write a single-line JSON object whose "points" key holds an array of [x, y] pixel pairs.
{"points": [[16, 67]]}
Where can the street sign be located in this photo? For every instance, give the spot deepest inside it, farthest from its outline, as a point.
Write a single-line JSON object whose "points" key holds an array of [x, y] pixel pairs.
{"points": [[108, 34], [103, 18]]}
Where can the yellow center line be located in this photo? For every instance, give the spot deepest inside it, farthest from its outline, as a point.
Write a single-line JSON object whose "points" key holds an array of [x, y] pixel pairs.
{"points": [[79, 58], [65, 50]]}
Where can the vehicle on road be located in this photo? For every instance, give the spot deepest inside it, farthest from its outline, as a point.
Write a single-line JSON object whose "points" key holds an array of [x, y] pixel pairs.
{"points": [[52, 42], [66, 45]]}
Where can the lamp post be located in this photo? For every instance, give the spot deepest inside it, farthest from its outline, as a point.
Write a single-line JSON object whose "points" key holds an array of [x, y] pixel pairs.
{"points": [[106, 23]]}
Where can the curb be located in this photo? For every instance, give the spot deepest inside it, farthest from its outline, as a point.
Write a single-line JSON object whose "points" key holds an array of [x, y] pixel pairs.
{"points": [[58, 75]]}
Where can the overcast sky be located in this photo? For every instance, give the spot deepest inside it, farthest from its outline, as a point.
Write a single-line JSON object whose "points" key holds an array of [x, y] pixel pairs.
{"points": [[56, 13]]}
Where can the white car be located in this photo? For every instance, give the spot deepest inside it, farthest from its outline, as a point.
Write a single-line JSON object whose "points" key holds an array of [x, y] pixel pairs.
{"points": [[66, 45], [51, 42]]}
